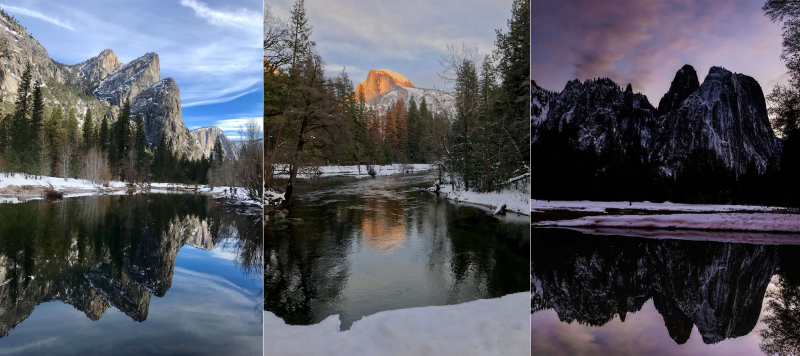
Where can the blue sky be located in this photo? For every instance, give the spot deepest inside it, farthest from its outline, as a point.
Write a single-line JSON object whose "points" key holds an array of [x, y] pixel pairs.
{"points": [[408, 37], [212, 48]]}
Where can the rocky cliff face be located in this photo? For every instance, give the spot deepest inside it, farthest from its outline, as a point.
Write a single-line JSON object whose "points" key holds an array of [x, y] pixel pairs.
{"points": [[160, 106], [726, 115], [17, 49], [106, 81], [381, 81], [598, 111], [684, 84], [206, 137], [129, 80]]}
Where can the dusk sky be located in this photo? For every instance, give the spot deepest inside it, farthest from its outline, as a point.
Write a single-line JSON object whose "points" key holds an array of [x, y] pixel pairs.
{"points": [[408, 37], [645, 42], [212, 48]]}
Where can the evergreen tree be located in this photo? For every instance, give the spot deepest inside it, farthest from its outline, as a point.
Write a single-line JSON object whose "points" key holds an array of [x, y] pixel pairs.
{"points": [[19, 128], [413, 132], [56, 136], [123, 139], [425, 119], [218, 151], [36, 129], [71, 125], [512, 56], [88, 129], [102, 135], [360, 128], [466, 88], [161, 160], [5, 132], [140, 145]]}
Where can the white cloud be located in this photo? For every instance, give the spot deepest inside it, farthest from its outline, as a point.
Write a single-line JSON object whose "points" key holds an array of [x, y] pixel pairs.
{"points": [[36, 14], [241, 18], [233, 127]]}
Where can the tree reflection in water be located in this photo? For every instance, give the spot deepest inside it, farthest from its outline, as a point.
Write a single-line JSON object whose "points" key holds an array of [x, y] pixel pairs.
{"points": [[782, 318]]}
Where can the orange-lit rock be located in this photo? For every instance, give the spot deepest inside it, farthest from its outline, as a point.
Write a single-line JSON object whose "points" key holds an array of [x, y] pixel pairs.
{"points": [[381, 81]]}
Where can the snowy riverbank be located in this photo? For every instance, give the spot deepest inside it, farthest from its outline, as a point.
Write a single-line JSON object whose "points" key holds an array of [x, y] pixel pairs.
{"points": [[761, 222], [481, 327], [353, 171], [604, 206], [514, 200], [17, 188]]}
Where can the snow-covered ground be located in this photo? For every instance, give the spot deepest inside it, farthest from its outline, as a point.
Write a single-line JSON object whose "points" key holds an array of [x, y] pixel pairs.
{"points": [[18, 184], [745, 237], [352, 171], [763, 222], [514, 200], [482, 327], [601, 206], [17, 188]]}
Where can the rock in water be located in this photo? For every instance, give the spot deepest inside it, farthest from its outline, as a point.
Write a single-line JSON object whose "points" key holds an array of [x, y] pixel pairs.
{"points": [[129, 80], [160, 106]]}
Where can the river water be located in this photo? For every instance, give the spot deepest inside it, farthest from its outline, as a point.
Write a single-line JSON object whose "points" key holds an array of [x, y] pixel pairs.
{"points": [[618, 295], [129, 275], [355, 247]]}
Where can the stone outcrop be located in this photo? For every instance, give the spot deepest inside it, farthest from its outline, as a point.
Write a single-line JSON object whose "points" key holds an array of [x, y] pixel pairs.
{"points": [[684, 84], [98, 68], [160, 107]]}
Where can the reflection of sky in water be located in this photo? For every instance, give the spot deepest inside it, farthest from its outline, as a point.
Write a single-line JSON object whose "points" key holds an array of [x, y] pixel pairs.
{"points": [[642, 333], [210, 306]]}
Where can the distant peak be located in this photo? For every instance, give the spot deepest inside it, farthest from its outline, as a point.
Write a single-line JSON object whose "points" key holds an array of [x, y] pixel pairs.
{"points": [[381, 81], [687, 67], [718, 70]]}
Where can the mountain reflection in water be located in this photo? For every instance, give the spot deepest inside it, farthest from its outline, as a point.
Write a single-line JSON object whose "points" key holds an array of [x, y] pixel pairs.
{"points": [[98, 252], [356, 247], [718, 288]]}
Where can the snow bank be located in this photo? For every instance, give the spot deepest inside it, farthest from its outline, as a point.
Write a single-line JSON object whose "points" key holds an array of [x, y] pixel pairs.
{"points": [[482, 327], [17, 185], [766, 222], [601, 206], [19, 180], [514, 200], [739, 237], [352, 171]]}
